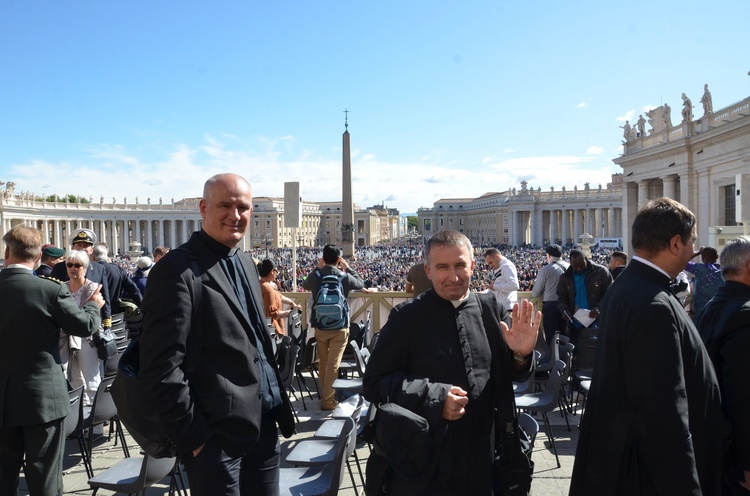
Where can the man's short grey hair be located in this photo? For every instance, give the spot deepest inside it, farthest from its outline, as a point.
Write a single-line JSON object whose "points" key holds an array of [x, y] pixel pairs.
{"points": [[101, 252], [735, 255], [447, 237]]}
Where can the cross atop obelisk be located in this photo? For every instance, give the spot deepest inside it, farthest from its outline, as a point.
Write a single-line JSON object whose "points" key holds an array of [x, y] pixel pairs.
{"points": [[347, 205]]}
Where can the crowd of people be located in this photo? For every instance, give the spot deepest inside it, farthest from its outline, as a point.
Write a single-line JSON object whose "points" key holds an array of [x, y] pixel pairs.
{"points": [[384, 267]]}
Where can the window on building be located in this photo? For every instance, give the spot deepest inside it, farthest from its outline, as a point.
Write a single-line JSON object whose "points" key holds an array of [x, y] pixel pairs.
{"points": [[729, 199], [441, 222]]}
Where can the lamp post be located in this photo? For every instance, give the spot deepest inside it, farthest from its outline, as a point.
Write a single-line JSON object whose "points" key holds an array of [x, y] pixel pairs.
{"points": [[268, 242]]}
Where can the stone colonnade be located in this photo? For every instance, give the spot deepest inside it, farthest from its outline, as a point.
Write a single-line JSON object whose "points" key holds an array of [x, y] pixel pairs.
{"points": [[116, 225], [563, 225]]}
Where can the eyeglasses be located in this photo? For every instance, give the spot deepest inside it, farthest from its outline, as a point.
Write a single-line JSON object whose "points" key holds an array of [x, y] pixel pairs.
{"points": [[70, 265]]}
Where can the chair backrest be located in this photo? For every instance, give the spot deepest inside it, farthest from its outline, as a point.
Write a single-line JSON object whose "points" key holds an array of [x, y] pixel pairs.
{"points": [[290, 363], [587, 341], [351, 407], [74, 420], [294, 325], [524, 387], [359, 358], [543, 348], [344, 449], [529, 425], [155, 469], [566, 355], [308, 355], [556, 377], [118, 318], [103, 407]]}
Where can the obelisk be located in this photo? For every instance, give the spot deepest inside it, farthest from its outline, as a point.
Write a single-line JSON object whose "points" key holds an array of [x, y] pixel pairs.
{"points": [[347, 205]]}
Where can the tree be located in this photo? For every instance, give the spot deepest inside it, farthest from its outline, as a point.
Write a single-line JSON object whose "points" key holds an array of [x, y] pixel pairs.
{"points": [[412, 221]]}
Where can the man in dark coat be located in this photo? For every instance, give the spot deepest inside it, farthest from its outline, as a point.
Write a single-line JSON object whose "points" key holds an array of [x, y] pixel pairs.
{"points": [[33, 392], [433, 358], [118, 280], [223, 415], [582, 285], [652, 423], [724, 324]]}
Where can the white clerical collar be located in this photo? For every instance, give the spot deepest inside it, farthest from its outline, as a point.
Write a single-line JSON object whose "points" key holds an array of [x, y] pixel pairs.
{"points": [[457, 303]]}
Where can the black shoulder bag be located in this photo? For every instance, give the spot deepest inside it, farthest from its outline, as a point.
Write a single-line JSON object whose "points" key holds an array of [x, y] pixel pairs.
{"points": [[512, 469]]}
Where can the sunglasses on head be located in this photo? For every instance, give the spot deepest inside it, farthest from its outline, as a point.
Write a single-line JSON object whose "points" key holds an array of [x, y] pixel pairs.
{"points": [[77, 266]]}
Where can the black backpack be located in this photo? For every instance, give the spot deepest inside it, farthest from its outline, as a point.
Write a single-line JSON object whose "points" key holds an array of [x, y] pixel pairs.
{"points": [[133, 407]]}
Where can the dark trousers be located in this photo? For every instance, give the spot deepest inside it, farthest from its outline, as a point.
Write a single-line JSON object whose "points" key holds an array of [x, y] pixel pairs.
{"points": [[214, 473], [553, 320], [43, 447]]}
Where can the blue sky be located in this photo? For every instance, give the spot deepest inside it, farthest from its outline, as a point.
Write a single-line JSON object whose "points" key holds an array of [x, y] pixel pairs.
{"points": [[446, 99]]}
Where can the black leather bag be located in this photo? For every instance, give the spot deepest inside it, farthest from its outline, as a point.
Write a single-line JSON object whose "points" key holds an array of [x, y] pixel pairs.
{"points": [[106, 344], [512, 470], [512, 473], [133, 407]]}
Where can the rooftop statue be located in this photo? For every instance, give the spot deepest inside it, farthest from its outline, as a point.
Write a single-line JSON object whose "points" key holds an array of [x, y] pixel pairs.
{"points": [[667, 116], [641, 124], [687, 109], [626, 131], [708, 104]]}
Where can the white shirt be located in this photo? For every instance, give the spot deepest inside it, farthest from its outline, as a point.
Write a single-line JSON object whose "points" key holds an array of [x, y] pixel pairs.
{"points": [[505, 284]]}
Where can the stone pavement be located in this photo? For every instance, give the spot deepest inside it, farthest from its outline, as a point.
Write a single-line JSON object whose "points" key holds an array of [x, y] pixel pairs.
{"points": [[548, 479]]}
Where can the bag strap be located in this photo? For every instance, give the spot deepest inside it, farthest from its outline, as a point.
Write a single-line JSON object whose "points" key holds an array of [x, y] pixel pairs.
{"points": [[505, 403]]}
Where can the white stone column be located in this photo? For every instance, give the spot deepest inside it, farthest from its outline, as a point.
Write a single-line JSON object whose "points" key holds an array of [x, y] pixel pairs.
{"points": [[150, 233], [162, 241], [124, 236], [565, 225], [687, 195], [599, 222], [576, 225], [554, 232], [137, 234], [643, 192], [538, 227], [629, 209], [670, 186], [173, 234], [611, 222]]}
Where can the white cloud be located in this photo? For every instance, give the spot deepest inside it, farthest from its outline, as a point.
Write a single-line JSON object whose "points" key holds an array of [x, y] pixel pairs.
{"points": [[627, 117], [508, 150], [595, 150], [582, 105], [112, 170]]}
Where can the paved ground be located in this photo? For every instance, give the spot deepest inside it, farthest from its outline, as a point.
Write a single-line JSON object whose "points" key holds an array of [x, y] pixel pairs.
{"points": [[548, 479]]}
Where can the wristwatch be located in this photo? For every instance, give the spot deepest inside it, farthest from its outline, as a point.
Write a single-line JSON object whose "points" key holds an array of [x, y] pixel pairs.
{"points": [[522, 358]]}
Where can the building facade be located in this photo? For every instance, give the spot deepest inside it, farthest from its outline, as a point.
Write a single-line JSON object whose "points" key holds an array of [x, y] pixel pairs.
{"points": [[152, 224], [695, 162], [530, 216]]}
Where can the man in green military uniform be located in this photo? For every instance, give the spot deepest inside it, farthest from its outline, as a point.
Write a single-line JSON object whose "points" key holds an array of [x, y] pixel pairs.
{"points": [[33, 394]]}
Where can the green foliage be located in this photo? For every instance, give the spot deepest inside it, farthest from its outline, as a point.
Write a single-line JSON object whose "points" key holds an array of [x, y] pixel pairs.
{"points": [[411, 221], [61, 199]]}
